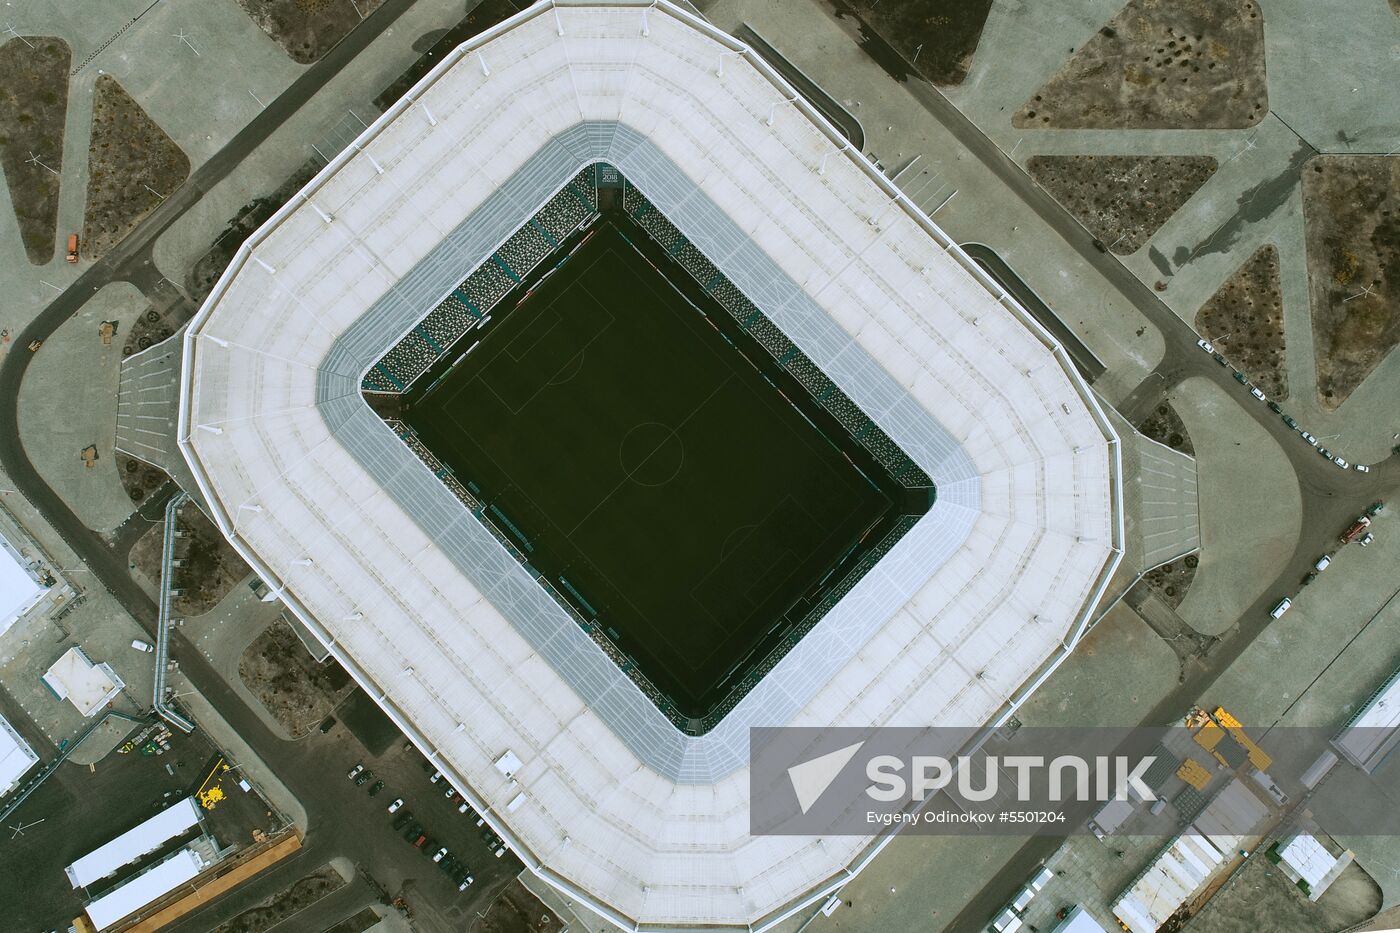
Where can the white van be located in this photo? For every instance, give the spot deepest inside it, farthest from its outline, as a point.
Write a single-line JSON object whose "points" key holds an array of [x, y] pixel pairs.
{"points": [[1283, 606], [140, 645]]}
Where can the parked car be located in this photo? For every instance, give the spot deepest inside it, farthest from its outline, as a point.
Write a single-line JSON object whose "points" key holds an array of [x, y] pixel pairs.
{"points": [[402, 819], [1309, 438], [142, 646], [1323, 563], [1205, 345], [451, 793], [394, 807], [327, 724], [464, 881], [375, 788], [464, 807], [355, 771], [1219, 359], [1375, 509], [440, 854], [1366, 539], [1362, 468], [1254, 391], [414, 830], [422, 842], [1283, 606], [499, 849], [363, 779], [1325, 452], [1276, 408], [437, 776], [1240, 378], [1341, 463], [1290, 422]]}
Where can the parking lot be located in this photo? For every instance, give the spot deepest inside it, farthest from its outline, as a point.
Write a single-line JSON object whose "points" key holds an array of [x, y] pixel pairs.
{"points": [[430, 807]]}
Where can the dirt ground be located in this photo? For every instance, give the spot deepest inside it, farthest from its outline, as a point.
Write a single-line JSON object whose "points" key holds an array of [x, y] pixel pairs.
{"points": [[516, 910], [140, 480], [33, 106], [937, 37], [1121, 200], [206, 271], [308, 29], [435, 45], [280, 906], [211, 566], [1187, 64], [167, 313], [1351, 210], [132, 166], [1171, 581], [1246, 316], [1164, 426], [294, 688], [1260, 890]]}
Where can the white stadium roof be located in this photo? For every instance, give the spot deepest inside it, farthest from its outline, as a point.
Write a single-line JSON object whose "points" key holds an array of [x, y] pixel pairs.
{"points": [[964, 617]]}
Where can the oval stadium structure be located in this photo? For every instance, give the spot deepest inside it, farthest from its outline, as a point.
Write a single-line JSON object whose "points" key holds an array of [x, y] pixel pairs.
{"points": [[466, 648]]}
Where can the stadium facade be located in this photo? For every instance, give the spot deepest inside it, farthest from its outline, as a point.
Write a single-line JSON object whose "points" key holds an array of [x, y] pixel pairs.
{"points": [[591, 785]]}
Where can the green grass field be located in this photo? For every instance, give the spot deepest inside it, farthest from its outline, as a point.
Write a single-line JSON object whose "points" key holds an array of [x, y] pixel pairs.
{"points": [[632, 450]]}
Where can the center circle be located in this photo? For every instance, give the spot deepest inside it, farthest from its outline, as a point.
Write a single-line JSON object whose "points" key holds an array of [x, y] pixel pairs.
{"points": [[651, 454]]}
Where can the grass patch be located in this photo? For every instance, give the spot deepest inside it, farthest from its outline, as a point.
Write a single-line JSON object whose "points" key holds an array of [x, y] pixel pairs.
{"points": [[1351, 209], [1161, 64], [1248, 312], [294, 688], [33, 106], [308, 29], [132, 166], [1121, 200]]}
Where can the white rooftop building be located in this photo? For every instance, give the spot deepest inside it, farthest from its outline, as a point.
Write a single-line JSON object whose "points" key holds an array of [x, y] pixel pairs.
{"points": [[142, 839], [88, 686], [19, 589], [146, 888], [16, 757], [603, 797]]}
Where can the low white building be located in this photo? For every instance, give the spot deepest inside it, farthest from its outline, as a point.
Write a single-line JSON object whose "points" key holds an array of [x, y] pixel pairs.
{"points": [[88, 686], [19, 586], [146, 888], [16, 757], [140, 840], [1304, 859]]}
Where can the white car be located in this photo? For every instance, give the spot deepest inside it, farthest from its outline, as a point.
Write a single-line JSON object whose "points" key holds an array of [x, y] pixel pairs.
{"points": [[394, 807], [1205, 345], [1366, 540], [440, 854], [355, 772], [1309, 438], [437, 776], [1323, 563], [1254, 391], [464, 807], [1362, 468], [466, 883], [142, 646], [1283, 606], [1340, 462]]}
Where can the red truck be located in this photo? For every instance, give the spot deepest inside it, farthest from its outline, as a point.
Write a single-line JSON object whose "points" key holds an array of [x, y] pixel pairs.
{"points": [[1356, 530]]}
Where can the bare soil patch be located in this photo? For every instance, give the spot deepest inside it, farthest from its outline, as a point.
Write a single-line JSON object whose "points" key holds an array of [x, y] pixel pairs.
{"points": [[206, 271], [1186, 64], [936, 37], [516, 910], [1247, 314], [209, 567], [1165, 427], [33, 106], [308, 29], [1171, 581], [132, 166], [294, 688], [1351, 209], [299, 896], [1121, 200]]}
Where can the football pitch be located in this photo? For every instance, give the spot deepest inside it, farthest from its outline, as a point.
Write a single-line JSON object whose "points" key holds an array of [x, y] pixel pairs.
{"points": [[647, 468]]}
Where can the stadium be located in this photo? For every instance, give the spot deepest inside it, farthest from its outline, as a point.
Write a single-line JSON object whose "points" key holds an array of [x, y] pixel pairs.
{"points": [[601, 402]]}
